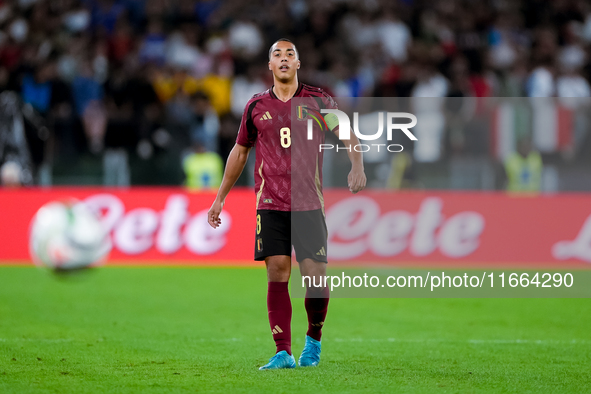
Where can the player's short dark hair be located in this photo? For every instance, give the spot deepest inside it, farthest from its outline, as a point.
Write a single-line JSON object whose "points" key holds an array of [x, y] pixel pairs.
{"points": [[286, 40]]}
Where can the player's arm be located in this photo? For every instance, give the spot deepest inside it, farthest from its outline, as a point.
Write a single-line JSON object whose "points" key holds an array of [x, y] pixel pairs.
{"points": [[356, 179], [234, 166]]}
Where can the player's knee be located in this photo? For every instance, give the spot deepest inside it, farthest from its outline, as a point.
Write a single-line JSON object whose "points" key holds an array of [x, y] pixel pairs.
{"points": [[275, 274], [311, 268], [278, 268]]}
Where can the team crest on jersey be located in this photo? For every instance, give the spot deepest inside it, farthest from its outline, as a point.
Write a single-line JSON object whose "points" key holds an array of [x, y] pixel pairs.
{"points": [[304, 112], [259, 244]]}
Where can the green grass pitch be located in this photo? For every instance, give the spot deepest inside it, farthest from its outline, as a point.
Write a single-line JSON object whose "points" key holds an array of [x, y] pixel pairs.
{"points": [[168, 330]]}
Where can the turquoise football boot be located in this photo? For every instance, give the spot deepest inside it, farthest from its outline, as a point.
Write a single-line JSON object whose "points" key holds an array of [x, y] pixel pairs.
{"points": [[279, 361], [311, 354]]}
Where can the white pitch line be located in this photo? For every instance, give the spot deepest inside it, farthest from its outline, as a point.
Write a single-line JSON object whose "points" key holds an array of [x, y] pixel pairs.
{"points": [[472, 341], [352, 340], [408, 340], [36, 340]]}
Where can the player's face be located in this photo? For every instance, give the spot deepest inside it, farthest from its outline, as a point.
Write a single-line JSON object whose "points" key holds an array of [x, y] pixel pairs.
{"points": [[284, 61]]}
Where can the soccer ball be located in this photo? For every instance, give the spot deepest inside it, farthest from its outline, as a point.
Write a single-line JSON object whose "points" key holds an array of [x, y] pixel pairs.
{"points": [[67, 236]]}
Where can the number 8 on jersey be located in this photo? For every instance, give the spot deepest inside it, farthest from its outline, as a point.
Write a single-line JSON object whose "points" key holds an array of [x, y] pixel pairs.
{"points": [[285, 134]]}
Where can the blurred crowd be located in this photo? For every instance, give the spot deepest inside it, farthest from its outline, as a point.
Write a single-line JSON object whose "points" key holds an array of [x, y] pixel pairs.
{"points": [[170, 78]]}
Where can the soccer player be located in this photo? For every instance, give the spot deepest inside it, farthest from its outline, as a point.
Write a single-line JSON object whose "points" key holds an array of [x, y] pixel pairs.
{"points": [[282, 217]]}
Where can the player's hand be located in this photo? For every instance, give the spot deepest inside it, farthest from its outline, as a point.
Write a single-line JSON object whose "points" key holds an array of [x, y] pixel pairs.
{"points": [[356, 180], [213, 216]]}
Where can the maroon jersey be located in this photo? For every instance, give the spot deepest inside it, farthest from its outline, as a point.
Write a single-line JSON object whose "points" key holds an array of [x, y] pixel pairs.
{"points": [[282, 145]]}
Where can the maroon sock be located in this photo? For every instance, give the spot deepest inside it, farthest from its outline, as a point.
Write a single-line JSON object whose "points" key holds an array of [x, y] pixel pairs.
{"points": [[279, 307], [316, 306]]}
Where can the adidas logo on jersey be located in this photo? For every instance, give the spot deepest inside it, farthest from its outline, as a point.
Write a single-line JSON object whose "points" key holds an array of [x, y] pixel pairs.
{"points": [[266, 116], [321, 252]]}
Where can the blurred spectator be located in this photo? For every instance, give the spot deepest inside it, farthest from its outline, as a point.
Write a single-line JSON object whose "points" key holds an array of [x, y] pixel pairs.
{"points": [[218, 88], [574, 92], [178, 118], [512, 81], [430, 83], [401, 174], [541, 80], [204, 124], [571, 84], [524, 169], [431, 86], [153, 46], [205, 9], [77, 19], [18, 30], [4, 78], [88, 99], [104, 15], [170, 81], [203, 169], [10, 52], [122, 129], [182, 51], [10, 174], [394, 36], [244, 87], [15, 156], [37, 87], [245, 39], [121, 43]]}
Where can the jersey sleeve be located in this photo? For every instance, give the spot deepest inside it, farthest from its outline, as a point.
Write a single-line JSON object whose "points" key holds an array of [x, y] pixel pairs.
{"points": [[331, 119], [328, 101], [247, 133]]}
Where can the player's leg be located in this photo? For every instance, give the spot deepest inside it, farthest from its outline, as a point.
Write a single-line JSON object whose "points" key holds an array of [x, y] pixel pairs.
{"points": [[279, 308], [317, 297], [278, 300], [273, 245], [310, 243], [316, 303]]}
